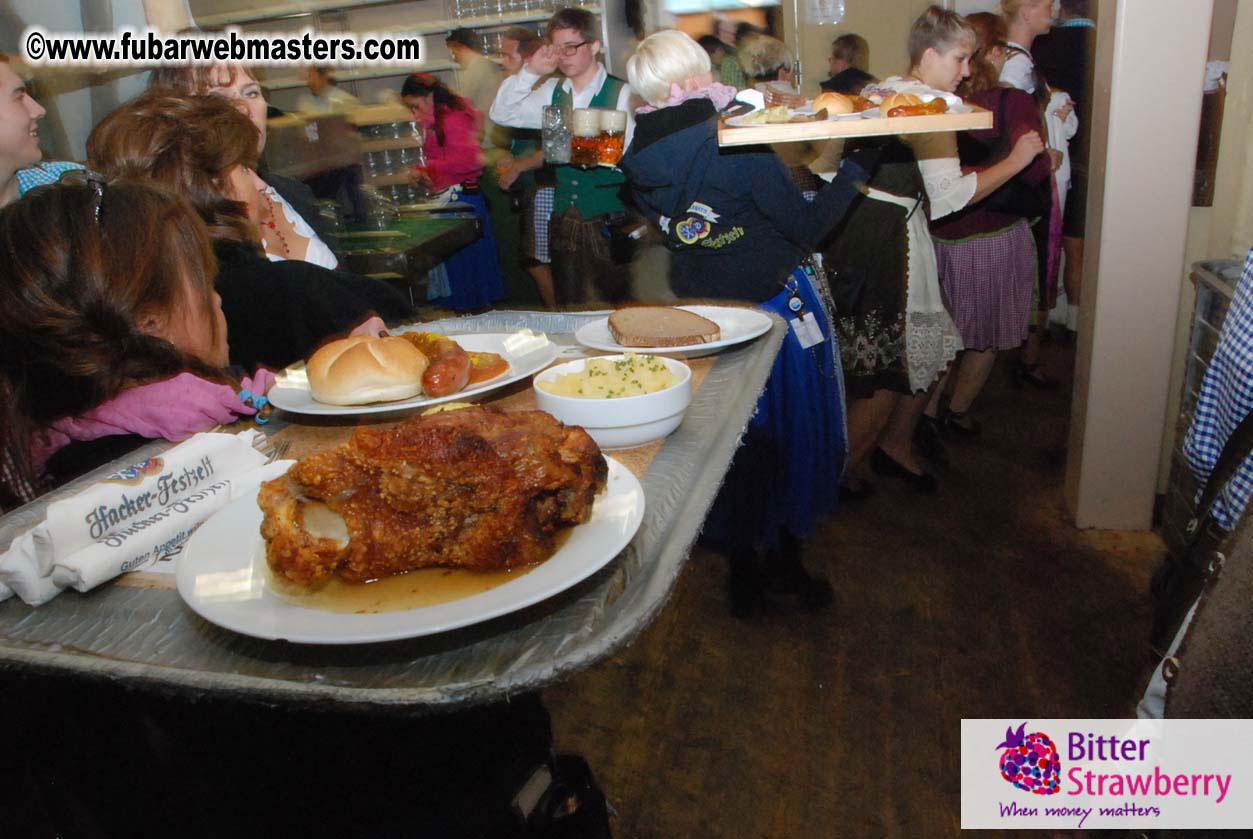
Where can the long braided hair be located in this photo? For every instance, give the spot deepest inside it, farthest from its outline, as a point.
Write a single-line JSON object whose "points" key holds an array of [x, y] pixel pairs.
{"points": [[79, 271]]}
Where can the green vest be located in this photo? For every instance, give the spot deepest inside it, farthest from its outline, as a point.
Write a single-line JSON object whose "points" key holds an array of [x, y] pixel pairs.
{"points": [[521, 141], [593, 192]]}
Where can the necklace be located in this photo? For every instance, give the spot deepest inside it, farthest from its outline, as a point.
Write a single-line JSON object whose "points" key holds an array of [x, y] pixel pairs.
{"points": [[270, 223]]}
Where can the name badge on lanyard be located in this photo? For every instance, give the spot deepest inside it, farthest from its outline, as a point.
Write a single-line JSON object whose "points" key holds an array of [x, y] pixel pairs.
{"points": [[803, 323]]}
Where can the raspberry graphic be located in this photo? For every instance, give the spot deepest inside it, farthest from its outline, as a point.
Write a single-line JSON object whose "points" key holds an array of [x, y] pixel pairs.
{"points": [[1030, 762]]}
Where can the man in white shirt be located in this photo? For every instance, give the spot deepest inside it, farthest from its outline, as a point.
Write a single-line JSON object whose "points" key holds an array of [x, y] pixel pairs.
{"points": [[586, 201], [19, 133], [479, 77], [324, 97]]}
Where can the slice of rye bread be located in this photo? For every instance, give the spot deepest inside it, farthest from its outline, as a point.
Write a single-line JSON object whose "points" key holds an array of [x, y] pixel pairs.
{"points": [[661, 326]]}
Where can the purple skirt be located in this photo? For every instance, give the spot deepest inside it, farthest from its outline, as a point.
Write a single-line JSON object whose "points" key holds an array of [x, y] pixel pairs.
{"points": [[988, 282]]}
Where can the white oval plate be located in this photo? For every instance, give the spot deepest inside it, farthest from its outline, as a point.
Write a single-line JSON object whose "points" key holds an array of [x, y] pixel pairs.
{"points": [[525, 351], [737, 324], [222, 576], [808, 109]]}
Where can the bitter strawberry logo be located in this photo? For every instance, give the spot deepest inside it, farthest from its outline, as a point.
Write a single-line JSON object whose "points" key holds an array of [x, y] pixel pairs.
{"points": [[1030, 762]]}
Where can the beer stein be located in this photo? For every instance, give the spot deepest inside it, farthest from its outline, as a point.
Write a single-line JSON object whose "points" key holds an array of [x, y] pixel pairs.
{"points": [[555, 133], [612, 136], [585, 142]]}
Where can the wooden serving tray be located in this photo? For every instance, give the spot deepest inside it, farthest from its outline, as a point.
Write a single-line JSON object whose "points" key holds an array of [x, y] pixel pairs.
{"points": [[795, 132]]}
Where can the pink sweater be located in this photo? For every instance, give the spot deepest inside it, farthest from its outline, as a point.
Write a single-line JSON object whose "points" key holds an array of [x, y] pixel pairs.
{"points": [[459, 159]]}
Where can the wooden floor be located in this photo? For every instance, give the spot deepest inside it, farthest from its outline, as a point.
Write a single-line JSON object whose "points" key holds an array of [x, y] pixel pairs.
{"points": [[980, 600]]}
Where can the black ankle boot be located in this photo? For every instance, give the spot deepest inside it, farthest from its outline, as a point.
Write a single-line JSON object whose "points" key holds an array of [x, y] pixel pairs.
{"points": [[745, 592], [786, 576]]}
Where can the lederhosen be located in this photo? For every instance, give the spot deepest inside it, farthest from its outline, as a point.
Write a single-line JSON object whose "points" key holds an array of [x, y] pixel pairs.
{"points": [[584, 202]]}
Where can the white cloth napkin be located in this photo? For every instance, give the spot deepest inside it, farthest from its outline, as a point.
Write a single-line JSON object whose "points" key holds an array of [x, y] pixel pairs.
{"points": [[133, 517]]}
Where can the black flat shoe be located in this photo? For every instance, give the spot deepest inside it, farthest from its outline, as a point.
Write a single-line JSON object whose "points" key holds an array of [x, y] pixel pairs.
{"points": [[928, 439], [885, 464], [1034, 376], [745, 595], [804, 590], [855, 489], [958, 425]]}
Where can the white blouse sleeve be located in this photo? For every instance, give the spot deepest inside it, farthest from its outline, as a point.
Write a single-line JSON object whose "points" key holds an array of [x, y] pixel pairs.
{"points": [[518, 103], [948, 190], [1018, 72]]}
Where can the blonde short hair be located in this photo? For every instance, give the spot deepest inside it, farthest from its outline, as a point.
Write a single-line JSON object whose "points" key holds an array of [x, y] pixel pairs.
{"points": [[762, 57], [1011, 8], [938, 29], [662, 59]]}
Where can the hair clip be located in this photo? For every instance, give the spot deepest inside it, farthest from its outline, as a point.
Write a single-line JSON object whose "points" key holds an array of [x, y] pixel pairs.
{"points": [[259, 402], [86, 177]]}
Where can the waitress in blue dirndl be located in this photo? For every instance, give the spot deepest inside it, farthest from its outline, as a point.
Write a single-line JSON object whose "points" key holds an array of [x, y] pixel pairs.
{"points": [[739, 230], [471, 278]]}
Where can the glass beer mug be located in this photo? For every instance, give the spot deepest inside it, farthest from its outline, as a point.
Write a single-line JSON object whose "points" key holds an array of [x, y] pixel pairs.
{"points": [[585, 137], [555, 134], [612, 136]]}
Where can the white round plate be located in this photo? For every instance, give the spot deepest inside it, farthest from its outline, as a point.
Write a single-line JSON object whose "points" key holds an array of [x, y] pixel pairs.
{"points": [[807, 110], [222, 576], [741, 121], [737, 324], [525, 351]]}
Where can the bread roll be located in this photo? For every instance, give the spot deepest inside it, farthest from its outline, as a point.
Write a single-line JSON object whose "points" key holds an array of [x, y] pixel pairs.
{"points": [[897, 100], [361, 369], [661, 326], [835, 103]]}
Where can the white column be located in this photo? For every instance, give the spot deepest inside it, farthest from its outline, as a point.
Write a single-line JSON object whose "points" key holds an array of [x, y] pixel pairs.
{"points": [[1146, 109]]}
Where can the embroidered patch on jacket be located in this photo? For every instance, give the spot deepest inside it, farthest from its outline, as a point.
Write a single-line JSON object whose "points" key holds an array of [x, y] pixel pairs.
{"points": [[703, 210], [723, 239], [692, 230]]}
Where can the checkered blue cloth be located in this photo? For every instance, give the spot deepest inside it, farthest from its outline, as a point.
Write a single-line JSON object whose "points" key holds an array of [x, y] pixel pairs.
{"points": [[42, 175], [538, 216], [1226, 398]]}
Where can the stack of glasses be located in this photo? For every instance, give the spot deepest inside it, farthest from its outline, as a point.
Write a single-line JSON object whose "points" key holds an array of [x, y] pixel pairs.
{"points": [[390, 152]]}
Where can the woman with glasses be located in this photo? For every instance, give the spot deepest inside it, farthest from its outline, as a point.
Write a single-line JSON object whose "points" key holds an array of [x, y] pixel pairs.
{"points": [[287, 207], [205, 150], [454, 158], [110, 330], [585, 201]]}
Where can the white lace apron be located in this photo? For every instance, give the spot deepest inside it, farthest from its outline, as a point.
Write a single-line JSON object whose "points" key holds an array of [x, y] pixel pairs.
{"points": [[931, 338]]}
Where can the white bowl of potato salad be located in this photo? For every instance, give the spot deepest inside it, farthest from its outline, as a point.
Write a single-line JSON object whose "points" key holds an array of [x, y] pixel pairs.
{"points": [[622, 401]]}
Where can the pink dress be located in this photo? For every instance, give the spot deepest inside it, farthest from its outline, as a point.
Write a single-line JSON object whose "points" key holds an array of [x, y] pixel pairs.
{"points": [[458, 159]]}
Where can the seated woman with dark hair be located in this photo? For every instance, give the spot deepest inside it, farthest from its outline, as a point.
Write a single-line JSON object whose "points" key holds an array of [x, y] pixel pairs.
{"points": [[288, 207], [205, 150], [110, 331], [454, 158]]}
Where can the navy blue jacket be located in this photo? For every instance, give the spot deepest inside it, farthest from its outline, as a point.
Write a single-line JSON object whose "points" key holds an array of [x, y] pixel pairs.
{"points": [[736, 224]]}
